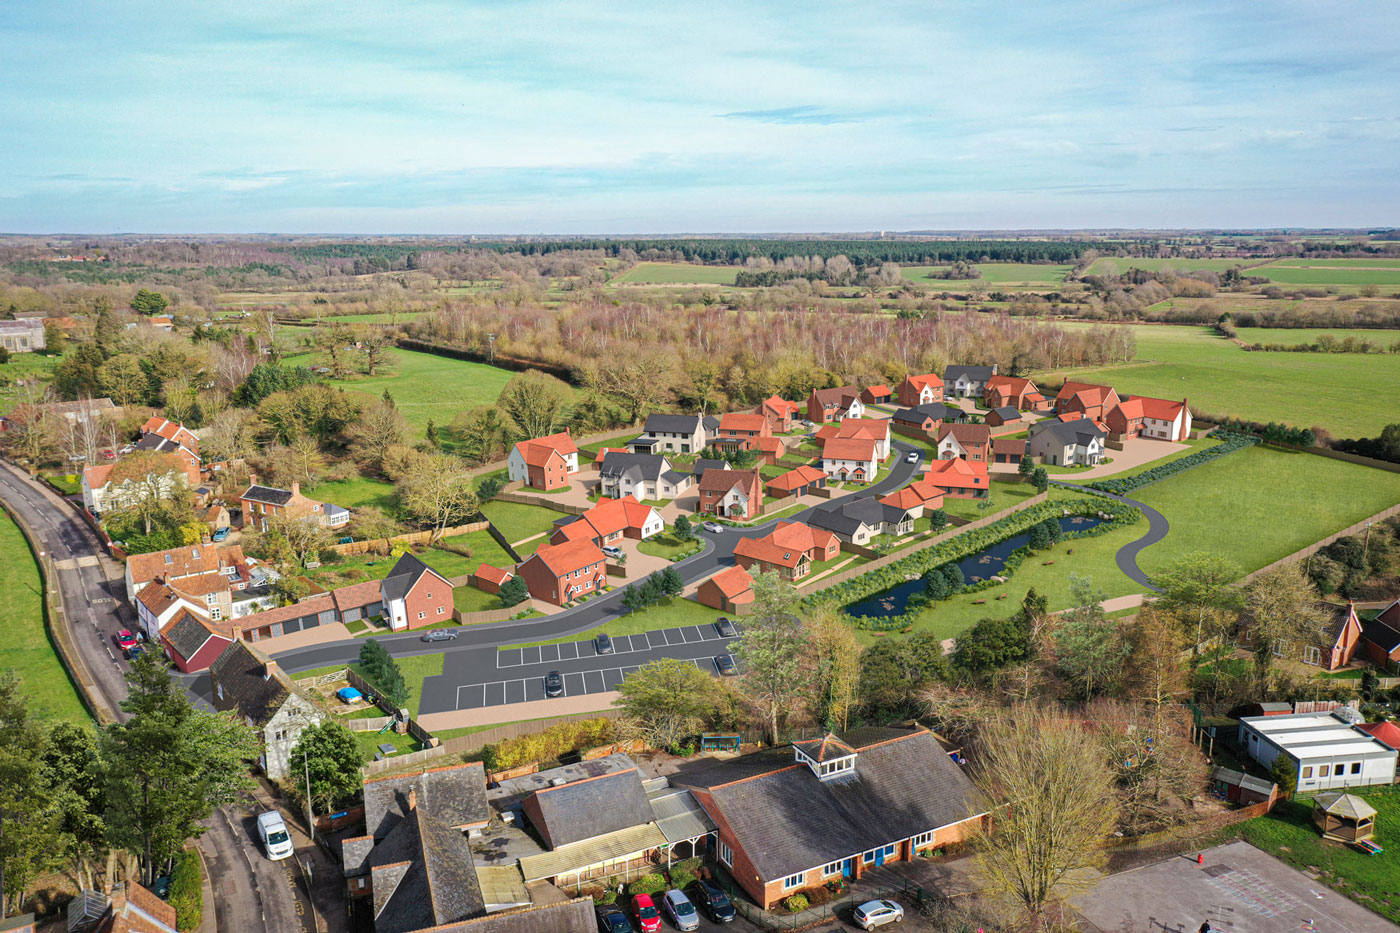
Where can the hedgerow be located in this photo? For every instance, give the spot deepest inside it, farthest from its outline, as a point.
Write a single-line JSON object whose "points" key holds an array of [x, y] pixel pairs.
{"points": [[1121, 487]]}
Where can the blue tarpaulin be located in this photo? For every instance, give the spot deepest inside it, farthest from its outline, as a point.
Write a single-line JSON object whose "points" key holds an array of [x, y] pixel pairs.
{"points": [[348, 694]]}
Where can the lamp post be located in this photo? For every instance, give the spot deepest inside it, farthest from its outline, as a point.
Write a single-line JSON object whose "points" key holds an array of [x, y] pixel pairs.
{"points": [[491, 348]]}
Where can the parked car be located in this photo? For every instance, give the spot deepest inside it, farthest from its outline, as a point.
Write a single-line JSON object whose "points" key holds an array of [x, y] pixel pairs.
{"points": [[724, 663], [125, 640], [725, 628], [603, 644], [135, 651], [220, 534], [648, 917], [874, 914], [713, 527], [554, 684], [681, 911], [713, 901], [612, 550], [109, 455], [612, 919], [911, 457], [272, 832], [441, 634]]}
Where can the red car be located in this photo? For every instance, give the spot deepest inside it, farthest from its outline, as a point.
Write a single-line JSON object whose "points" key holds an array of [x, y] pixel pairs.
{"points": [[125, 640], [648, 917]]}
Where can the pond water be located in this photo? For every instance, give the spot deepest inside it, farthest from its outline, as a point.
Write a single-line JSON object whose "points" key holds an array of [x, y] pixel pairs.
{"points": [[977, 567]]}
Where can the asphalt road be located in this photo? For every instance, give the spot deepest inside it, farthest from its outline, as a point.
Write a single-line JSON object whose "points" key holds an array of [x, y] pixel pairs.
{"points": [[1157, 528], [94, 594], [718, 553]]}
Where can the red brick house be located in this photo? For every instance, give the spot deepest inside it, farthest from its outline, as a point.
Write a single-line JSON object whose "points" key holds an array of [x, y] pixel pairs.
{"points": [[728, 591], [415, 595], [732, 494], [789, 550], [561, 573], [741, 431], [796, 482], [1016, 392], [1008, 449], [1005, 415], [913, 391], [192, 641], [825, 405], [960, 479], [876, 395], [779, 412], [1086, 400], [1156, 418], [490, 579], [964, 442], [543, 462], [609, 522], [1341, 637], [795, 817]]}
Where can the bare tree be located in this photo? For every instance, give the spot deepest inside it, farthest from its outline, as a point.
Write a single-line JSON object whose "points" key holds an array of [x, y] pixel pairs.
{"points": [[33, 426], [1281, 612], [375, 343], [437, 491], [380, 427], [771, 652], [86, 433], [536, 402], [303, 536], [833, 664]]}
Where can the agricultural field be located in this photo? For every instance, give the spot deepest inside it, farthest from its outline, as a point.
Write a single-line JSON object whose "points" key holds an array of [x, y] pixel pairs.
{"points": [[1117, 265], [1260, 504], [676, 273], [1349, 394], [1345, 273], [995, 273], [24, 644]]}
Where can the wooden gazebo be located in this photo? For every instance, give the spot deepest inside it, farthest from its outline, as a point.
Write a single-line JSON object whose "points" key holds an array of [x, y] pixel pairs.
{"points": [[1343, 817]]}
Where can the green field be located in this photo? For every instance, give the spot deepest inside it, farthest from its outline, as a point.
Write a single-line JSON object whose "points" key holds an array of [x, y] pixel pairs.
{"points": [[354, 493], [23, 366], [24, 644], [1351, 395], [518, 521], [665, 545], [1117, 265], [677, 273], [1260, 504], [995, 273], [1290, 336], [427, 386], [361, 568], [1002, 495], [483, 547], [1315, 272]]}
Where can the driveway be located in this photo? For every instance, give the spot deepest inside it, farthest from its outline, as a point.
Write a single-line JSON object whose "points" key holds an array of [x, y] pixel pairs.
{"points": [[1136, 452]]}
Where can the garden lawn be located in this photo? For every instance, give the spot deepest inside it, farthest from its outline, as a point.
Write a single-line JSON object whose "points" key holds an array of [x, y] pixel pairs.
{"points": [[665, 545], [670, 613], [1260, 504], [471, 599], [1352, 395], [1001, 495], [518, 521], [24, 643], [425, 386], [414, 668], [1372, 881], [360, 568], [484, 549], [369, 743], [677, 273], [354, 493]]}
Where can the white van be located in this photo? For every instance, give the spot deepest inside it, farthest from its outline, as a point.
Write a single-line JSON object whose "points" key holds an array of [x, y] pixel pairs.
{"points": [[277, 842]]}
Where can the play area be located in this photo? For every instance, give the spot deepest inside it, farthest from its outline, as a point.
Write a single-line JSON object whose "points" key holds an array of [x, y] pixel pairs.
{"points": [[1235, 888]]}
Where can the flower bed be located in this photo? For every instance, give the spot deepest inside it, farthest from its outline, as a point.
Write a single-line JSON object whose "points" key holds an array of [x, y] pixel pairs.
{"points": [[1121, 487]]}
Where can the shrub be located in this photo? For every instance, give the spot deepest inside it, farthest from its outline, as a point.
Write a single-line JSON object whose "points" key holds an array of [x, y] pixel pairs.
{"points": [[1121, 487], [816, 897], [647, 884], [609, 896], [186, 891], [549, 744], [681, 879], [795, 904]]}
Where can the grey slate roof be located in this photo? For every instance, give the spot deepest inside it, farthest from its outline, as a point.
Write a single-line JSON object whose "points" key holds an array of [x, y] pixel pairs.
{"points": [[788, 820], [973, 373], [240, 670], [437, 886], [1008, 412], [268, 494], [400, 580], [672, 424], [637, 466], [157, 443], [935, 410], [1079, 433], [187, 634], [702, 464], [453, 796], [846, 517], [591, 807], [508, 794], [576, 916], [1380, 635]]}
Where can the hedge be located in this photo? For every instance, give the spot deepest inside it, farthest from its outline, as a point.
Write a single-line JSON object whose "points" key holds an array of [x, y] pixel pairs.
{"points": [[187, 891], [647, 884], [1121, 487], [549, 744], [958, 547]]}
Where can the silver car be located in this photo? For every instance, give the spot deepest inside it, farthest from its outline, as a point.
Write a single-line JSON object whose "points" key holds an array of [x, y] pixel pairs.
{"points": [[681, 911], [874, 914]]}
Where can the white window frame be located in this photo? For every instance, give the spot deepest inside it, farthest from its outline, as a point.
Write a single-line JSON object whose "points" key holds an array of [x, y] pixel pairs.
{"points": [[923, 839], [832, 869], [726, 854], [794, 881], [1312, 654]]}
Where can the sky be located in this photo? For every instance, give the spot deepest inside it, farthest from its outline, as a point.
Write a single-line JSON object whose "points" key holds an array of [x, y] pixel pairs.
{"points": [[401, 116]]}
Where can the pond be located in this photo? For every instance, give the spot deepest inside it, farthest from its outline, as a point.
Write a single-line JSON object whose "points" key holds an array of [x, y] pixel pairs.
{"points": [[976, 567]]}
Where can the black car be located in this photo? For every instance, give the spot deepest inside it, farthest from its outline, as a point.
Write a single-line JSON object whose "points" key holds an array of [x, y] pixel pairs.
{"points": [[725, 628], [611, 919], [714, 902], [724, 663], [554, 684], [603, 644]]}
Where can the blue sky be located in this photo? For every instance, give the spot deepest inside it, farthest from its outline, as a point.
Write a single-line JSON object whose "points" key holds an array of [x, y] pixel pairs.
{"points": [[540, 117]]}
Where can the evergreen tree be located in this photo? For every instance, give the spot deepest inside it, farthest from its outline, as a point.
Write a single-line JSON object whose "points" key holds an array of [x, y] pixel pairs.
{"points": [[954, 575], [671, 583], [936, 585], [432, 433], [682, 529], [1040, 479], [514, 591], [1039, 537], [1027, 466], [937, 519]]}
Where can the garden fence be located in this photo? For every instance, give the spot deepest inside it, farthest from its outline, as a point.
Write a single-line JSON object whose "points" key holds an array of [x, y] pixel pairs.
{"points": [[1311, 549], [412, 539]]}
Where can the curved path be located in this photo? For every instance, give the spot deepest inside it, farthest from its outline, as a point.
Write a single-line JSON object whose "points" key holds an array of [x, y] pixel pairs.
{"points": [[1157, 528]]}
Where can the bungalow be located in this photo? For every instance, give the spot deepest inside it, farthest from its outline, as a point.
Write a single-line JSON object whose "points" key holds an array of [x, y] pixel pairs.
{"points": [[925, 419], [415, 595], [728, 591], [490, 579], [858, 521], [916, 498], [1067, 443], [961, 479], [1016, 392], [876, 395], [741, 431], [825, 405], [648, 477], [1085, 399], [677, 434], [248, 683], [789, 550], [913, 391], [967, 381], [733, 494], [543, 462], [779, 412], [1000, 417], [561, 573], [1324, 749], [964, 442], [261, 503], [797, 482], [609, 522], [851, 458], [796, 817], [1155, 418]]}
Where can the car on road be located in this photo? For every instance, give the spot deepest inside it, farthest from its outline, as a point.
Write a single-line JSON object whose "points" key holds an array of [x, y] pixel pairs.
{"points": [[441, 634], [713, 528], [874, 914], [272, 833], [911, 457], [648, 917], [725, 628], [109, 455], [724, 663], [612, 919], [681, 911], [713, 901], [612, 550], [603, 643], [554, 684], [125, 640]]}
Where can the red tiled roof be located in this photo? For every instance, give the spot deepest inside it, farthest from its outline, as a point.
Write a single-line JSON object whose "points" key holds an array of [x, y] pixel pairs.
{"points": [[784, 545], [1387, 732], [976, 435], [1159, 408], [878, 390], [564, 558], [733, 582], [802, 476], [769, 445], [157, 598], [1071, 389], [742, 421], [537, 451], [957, 474], [926, 379], [183, 562], [1009, 445], [905, 498], [1012, 383], [604, 451], [848, 448], [722, 481], [779, 406], [876, 429], [493, 574], [356, 595]]}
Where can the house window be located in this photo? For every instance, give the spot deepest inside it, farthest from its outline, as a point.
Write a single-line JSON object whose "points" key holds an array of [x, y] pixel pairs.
{"points": [[923, 839], [793, 881], [439, 610], [1356, 767], [726, 854], [833, 869], [221, 691], [422, 615], [1322, 770], [1312, 655]]}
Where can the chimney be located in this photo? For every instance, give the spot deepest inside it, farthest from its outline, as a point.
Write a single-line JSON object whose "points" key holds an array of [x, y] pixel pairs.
{"points": [[413, 798], [252, 479], [269, 669], [296, 488]]}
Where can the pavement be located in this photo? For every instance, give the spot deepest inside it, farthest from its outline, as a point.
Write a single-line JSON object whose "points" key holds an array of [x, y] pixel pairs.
{"points": [[1157, 529]]}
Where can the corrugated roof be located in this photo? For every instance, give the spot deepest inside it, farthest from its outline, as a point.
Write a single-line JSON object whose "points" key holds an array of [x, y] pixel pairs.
{"points": [[678, 815], [592, 851]]}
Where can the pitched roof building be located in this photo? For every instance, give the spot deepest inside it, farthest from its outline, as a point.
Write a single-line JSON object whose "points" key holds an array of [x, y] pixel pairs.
{"points": [[733, 494], [543, 462], [248, 683], [729, 590], [789, 550], [961, 479]]}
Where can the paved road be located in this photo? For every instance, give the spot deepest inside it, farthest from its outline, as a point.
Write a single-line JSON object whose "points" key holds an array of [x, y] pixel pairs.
{"points": [[94, 594], [1157, 528], [719, 553]]}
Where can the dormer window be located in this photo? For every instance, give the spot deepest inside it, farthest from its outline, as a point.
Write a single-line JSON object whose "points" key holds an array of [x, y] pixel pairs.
{"points": [[828, 757]]}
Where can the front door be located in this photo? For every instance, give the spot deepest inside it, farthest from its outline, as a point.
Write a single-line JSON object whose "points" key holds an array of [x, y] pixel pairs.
{"points": [[879, 857], [848, 868]]}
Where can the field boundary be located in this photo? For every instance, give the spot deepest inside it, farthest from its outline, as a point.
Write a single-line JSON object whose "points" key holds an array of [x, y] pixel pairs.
{"points": [[384, 545], [1342, 455], [1316, 546]]}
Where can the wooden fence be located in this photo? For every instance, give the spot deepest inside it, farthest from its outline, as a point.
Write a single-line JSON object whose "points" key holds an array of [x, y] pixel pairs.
{"points": [[548, 502], [1331, 454], [1311, 549], [488, 615], [412, 539], [901, 553]]}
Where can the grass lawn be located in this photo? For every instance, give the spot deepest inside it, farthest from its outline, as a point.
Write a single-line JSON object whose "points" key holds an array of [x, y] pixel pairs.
{"points": [[369, 743], [1352, 395], [414, 668], [1258, 505], [24, 366], [427, 386], [665, 545], [67, 484], [362, 567], [353, 493], [24, 644], [669, 614], [1370, 880], [517, 521], [483, 547], [471, 599], [677, 273], [1001, 496]]}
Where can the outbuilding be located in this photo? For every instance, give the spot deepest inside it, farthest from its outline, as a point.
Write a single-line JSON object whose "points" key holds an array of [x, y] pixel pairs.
{"points": [[1327, 750]]}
